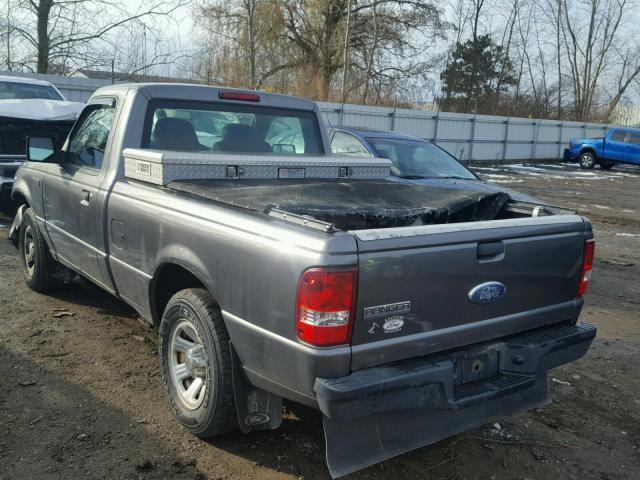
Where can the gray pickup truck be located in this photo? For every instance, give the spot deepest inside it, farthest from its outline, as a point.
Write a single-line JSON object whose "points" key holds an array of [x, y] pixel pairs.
{"points": [[273, 271]]}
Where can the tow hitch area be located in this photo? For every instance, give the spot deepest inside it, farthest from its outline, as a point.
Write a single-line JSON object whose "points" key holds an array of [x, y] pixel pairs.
{"points": [[380, 412]]}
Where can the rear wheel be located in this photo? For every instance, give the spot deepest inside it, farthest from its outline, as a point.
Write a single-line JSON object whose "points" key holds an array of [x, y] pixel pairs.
{"points": [[606, 166], [39, 268], [587, 160], [196, 364]]}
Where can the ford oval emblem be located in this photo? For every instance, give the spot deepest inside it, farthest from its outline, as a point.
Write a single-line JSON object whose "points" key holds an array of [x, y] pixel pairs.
{"points": [[256, 418], [487, 292]]}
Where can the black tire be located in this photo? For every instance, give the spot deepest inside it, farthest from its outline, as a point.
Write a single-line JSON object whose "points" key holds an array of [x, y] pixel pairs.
{"points": [[587, 160], [216, 413], [606, 166], [38, 267]]}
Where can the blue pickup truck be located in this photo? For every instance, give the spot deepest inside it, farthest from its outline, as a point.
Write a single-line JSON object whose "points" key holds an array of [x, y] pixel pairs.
{"points": [[620, 145]]}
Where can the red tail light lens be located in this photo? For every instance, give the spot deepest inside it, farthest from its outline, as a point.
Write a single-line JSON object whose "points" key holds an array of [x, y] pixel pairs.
{"points": [[245, 97], [326, 306], [587, 266]]}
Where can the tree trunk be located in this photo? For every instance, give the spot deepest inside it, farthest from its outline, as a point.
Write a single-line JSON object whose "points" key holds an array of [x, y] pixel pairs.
{"points": [[558, 26], [374, 45], [250, 7], [471, 93], [44, 9], [325, 85]]}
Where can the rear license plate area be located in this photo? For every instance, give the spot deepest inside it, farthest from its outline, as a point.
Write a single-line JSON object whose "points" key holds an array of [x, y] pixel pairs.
{"points": [[473, 366]]}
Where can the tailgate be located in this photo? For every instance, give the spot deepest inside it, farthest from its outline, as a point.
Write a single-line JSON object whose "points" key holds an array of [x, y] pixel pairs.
{"points": [[431, 288]]}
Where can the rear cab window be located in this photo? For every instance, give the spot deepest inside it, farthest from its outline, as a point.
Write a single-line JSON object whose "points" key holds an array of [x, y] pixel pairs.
{"points": [[230, 128]]}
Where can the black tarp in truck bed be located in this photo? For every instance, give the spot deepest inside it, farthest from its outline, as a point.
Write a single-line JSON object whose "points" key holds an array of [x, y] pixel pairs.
{"points": [[354, 204]]}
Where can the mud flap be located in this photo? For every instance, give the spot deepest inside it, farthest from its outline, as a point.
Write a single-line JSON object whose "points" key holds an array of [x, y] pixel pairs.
{"points": [[15, 226], [356, 443], [256, 408]]}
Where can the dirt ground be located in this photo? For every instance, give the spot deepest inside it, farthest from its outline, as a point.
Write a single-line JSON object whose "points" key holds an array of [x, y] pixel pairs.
{"points": [[81, 396]]}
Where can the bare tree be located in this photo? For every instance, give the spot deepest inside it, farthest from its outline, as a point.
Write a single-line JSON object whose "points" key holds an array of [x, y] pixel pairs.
{"points": [[59, 31], [5, 36], [591, 50], [315, 30], [235, 22], [244, 40], [558, 25], [629, 74], [507, 42]]}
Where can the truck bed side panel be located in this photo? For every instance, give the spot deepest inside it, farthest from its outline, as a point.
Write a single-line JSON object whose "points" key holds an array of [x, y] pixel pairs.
{"points": [[251, 265]]}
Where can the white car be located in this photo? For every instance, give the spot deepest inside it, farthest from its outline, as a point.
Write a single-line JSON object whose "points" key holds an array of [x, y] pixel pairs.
{"points": [[29, 107]]}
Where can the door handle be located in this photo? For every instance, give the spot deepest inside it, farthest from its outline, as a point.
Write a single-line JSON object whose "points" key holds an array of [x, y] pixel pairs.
{"points": [[86, 198], [490, 251]]}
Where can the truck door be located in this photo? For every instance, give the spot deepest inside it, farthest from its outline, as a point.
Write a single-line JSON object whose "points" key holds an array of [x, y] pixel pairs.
{"points": [[616, 149], [70, 192], [634, 148]]}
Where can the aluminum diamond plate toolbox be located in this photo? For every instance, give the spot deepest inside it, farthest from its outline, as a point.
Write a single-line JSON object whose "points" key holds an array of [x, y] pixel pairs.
{"points": [[162, 166]]}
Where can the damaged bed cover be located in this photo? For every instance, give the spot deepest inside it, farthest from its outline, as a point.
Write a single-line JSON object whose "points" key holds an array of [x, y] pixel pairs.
{"points": [[353, 204]]}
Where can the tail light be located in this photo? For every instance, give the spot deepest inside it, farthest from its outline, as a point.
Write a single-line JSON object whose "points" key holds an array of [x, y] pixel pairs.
{"points": [[587, 266], [325, 306]]}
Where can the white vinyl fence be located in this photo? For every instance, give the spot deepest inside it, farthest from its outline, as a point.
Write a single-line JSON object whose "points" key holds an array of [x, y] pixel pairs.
{"points": [[468, 137]]}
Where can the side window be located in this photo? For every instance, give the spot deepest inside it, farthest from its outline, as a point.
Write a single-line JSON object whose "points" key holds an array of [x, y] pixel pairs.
{"points": [[618, 136], [89, 138], [634, 138], [345, 144]]}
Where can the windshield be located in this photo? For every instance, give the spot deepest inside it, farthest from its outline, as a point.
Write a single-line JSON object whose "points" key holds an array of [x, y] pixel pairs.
{"points": [[419, 159], [17, 90], [194, 126]]}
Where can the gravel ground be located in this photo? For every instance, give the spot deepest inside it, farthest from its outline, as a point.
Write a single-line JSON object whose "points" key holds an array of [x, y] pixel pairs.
{"points": [[81, 395]]}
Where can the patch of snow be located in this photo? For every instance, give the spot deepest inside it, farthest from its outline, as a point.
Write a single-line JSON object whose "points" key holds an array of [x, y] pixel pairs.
{"points": [[497, 430], [496, 175], [554, 165], [508, 180]]}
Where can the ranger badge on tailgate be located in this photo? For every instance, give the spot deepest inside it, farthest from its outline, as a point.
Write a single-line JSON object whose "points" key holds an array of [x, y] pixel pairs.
{"points": [[389, 316], [388, 309]]}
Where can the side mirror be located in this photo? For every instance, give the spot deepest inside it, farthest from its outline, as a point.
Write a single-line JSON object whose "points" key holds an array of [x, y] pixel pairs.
{"points": [[40, 149], [284, 148]]}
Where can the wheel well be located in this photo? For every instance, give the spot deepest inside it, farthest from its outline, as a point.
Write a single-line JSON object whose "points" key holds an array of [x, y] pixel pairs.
{"points": [[169, 280], [19, 199], [590, 150]]}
